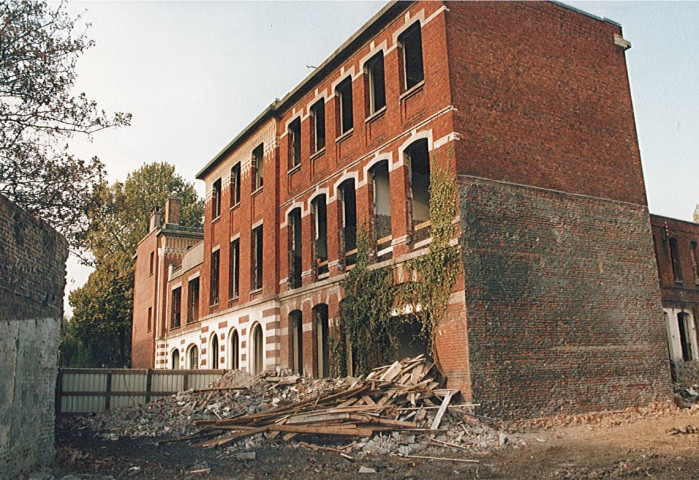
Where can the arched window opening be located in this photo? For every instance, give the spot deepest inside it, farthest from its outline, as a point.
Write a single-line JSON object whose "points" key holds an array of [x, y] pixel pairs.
{"points": [[294, 226], [213, 356], [320, 317], [193, 354], [348, 222], [175, 359], [234, 350], [683, 320], [381, 197], [419, 159], [296, 338]]}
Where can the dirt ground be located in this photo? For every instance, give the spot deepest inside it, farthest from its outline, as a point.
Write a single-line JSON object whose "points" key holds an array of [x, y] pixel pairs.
{"points": [[620, 446]]}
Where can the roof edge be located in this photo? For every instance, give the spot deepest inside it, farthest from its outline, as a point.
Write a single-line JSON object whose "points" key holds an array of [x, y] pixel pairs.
{"points": [[386, 12]]}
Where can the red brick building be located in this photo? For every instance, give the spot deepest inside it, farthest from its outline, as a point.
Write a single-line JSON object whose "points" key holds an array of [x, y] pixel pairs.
{"points": [[676, 253], [528, 104]]}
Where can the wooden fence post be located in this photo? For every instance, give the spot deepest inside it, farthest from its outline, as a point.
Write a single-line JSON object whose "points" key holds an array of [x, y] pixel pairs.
{"points": [[59, 391], [149, 380], [185, 383], [108, 400]]}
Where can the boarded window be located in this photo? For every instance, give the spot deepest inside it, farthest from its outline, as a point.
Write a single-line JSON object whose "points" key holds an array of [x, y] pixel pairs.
{"points": [[410, 44], [343, 95]]}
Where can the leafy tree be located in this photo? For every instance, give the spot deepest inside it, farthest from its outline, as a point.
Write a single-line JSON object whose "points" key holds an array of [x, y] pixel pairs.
{"points": [[102, 308], [39, 113]]}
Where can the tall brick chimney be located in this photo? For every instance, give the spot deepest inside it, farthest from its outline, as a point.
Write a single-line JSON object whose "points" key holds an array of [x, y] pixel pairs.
{"points": [[156, 219], [173, 206]]}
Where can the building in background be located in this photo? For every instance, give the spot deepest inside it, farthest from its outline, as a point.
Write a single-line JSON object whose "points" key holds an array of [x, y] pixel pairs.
{"points": [[676, 253], [528, 104]]}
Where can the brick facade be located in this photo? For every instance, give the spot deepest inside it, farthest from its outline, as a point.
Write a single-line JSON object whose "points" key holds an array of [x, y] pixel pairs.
{"points": [[32, 279], [528, 104]]}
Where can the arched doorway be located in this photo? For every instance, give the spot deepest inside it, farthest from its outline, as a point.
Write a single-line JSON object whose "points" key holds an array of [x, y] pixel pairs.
{"points": [[296, 338], [320, 317], [193, 360], [213, 356], [175, 364], [257, 354], [234, 350]]}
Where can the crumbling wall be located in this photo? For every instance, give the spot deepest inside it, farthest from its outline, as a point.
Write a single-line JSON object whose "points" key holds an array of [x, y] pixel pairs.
{"points": [[32, 279], [562, 299]]}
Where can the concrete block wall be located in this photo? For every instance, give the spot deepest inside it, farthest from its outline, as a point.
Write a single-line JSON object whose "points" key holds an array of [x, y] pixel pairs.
{"points": [[32, 280]]}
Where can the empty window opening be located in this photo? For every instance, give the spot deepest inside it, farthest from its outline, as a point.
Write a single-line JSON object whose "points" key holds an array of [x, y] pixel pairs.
{"points": [[234, 269], [176, 309], [235, 185], [234, 350], [257, 167], [150, 318], [152, 263], [175, 364], [410, 44], [418, 158], [320, 236], [685, 328], [675, 261], [349, 222], [216, 199], [296, 338], [213, 354], [693, 253], [294, 134], [294, 226], [343, 95], [381, 193], [213, 286], [375, 83], [257, 258], [320, 316], [257, 349], [193, 301], [193, 357], [318, 130]]}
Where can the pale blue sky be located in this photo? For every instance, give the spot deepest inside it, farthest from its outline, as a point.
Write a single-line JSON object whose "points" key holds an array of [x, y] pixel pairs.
{"points": [[193, 74]]}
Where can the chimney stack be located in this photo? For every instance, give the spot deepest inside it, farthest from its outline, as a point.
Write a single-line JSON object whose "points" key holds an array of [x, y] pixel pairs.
{"points": [[173, 206], [156, 219]]}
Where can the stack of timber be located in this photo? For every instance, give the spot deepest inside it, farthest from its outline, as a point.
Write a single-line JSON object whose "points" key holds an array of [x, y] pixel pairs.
{"points": [[393, 397]]}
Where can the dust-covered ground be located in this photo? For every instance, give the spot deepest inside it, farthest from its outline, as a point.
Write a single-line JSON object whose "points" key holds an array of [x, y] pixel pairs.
{"points": [[661, 442]]}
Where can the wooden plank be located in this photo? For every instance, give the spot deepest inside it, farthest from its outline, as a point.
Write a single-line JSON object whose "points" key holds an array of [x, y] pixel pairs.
{"points": [[315, 418], [442, 409], [391, 373], [368, 400], [343, 430]]}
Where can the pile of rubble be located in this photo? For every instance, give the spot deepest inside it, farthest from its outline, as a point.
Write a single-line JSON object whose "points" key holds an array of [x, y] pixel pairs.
{"points": [[397, 408]]}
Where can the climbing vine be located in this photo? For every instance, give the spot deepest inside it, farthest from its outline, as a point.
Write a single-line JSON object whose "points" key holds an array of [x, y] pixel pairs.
{"points": [[433, 275], [371, 295]]}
